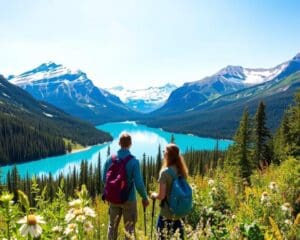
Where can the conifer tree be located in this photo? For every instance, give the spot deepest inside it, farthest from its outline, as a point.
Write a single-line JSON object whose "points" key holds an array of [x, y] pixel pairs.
{"points": [[262, 156], [108, 151], [294, 127], [158, 160], [172, 140], [240, 150]]}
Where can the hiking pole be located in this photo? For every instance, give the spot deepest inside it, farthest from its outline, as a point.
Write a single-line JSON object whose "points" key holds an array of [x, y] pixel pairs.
{"points": [[152, 218], [145, 229]]}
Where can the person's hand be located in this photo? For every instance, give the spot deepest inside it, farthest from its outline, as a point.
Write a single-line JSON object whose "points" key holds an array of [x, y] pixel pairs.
{"points": [[153, 195], [145, 202]]}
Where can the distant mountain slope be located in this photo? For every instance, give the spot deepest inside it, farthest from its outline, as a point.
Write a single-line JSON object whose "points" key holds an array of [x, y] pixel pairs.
{"points": [[72, 91], [219, 117], [228, 80], [144, 100], [32, 129]]}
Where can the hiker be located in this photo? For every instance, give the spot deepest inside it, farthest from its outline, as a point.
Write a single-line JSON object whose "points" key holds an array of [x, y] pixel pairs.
{"points": [[171, 212], [122, 177]]}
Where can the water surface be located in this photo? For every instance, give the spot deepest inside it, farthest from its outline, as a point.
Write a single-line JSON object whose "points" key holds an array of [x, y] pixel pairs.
{"points": [[145, 140]]}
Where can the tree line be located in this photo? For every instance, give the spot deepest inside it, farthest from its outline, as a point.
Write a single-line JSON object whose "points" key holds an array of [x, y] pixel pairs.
{"points": [[254, 147]]}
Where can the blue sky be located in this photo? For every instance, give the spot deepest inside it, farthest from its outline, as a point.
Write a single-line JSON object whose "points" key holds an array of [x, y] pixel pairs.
{"points": [[138, 43]]}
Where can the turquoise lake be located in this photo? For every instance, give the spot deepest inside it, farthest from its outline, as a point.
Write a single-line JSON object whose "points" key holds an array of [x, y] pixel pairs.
{"points": [[145, 140]]}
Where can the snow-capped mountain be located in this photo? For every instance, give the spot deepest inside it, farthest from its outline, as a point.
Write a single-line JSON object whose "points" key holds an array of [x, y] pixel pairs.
{"points": [[144, 100], [72, 91], [228, 80]]}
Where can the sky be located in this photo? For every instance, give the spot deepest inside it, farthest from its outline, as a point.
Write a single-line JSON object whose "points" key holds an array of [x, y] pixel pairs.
{"points": [[139, 43]]}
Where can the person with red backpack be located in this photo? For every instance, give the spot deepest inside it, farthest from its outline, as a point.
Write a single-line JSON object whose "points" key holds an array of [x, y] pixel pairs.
{"points": [[122, 177]]}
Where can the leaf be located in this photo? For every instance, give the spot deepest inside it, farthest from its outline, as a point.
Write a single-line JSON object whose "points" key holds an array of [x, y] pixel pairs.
{"points": [[275, 229], [23, 199]]}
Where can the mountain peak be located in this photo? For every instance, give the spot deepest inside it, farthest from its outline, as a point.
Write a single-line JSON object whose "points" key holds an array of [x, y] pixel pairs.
{"points": [[48, 66], [297, 57], [232, 71]]}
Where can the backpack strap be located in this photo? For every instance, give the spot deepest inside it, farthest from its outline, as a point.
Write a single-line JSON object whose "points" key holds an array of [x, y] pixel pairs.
{"points": [[172, 173], [127, 159]]}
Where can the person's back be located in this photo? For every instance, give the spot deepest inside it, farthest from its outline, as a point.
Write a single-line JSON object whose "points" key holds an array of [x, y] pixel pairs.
{"points": [[134, 180], [173, 166]]}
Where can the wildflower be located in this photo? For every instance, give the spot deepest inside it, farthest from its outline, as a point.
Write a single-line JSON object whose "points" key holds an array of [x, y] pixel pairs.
{"points": [[6, 197], [88, 226], [211, 182], [233, 216], [30, 225], [265, 198], [72, 227], [286, 207], [288, 222], [214, 190], [70, 215], [89, 212], [81, 218], [57, 229], [75, 203], [273, 187]]}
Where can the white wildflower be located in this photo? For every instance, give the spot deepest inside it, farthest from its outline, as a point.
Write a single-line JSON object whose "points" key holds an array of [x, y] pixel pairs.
{"points": [[57, 229], [75, 203], [81, 218], [211, 182], [265, 198], [30, 225], [88, 226], [273, 187], [71, 228], [70, 216], [89, 212], [286, 207], [288, 222]]}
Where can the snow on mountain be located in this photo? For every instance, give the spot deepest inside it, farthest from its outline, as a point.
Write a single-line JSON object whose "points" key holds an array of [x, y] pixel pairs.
{"points": [[144, 100], [226, 81], [251, 76], [257, 76], [72, 91]]}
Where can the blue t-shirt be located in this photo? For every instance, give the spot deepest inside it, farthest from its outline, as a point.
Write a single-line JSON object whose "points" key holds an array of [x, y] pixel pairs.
{"points": [[133, 174]]}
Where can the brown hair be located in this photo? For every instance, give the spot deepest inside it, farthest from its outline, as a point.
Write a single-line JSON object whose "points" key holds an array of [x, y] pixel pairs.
{"points": [[125, 140], [172, 157]]}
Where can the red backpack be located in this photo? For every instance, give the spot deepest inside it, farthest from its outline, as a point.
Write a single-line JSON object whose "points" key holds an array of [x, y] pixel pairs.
{"points": [[116, 189]]}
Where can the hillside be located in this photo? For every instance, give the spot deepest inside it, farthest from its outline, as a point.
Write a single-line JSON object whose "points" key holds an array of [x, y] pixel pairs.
{"points": [[31, 129], [72, 91], [219, 117], [228, 80]]}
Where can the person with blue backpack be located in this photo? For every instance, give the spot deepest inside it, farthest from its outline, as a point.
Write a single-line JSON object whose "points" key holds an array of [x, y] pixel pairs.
{"points": [[175, 194], [122, 177]]}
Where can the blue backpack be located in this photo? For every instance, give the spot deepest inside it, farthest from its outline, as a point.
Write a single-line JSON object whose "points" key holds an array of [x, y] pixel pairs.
{"points": [[181, 197]]}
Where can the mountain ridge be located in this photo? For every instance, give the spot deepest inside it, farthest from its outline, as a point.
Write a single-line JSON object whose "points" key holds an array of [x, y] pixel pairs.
{"points": [[45, 125], [72, 91]]}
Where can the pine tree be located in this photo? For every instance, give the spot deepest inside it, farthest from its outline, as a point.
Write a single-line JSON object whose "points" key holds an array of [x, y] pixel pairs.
{"points": [[262, 156], [108, 151], [172, 140], [240, 150], [294, 126], [158, 161], [69, 147]]}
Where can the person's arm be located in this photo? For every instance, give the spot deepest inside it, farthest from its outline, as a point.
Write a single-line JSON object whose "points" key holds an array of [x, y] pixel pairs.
{"points": [[162, 192], [162, 180], [138, 181]]}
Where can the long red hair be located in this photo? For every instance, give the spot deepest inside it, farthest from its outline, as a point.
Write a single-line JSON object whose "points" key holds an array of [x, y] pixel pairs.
{"points": [[172, 157]]}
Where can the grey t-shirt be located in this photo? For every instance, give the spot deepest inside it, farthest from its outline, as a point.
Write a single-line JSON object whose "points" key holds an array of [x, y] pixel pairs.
{"points": [[166, 178]]}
